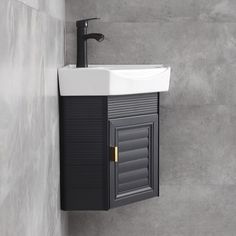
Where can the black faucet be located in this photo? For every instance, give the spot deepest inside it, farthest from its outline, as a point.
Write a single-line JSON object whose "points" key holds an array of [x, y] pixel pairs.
{"points": [[82, 37]]}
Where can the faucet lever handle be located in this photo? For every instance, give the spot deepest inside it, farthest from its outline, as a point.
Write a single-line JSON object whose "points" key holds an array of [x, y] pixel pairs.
{"points": [[84, 22]]}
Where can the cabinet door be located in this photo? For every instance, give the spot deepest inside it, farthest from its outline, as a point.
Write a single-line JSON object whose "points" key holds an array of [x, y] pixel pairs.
{"points": [[134, 159]]}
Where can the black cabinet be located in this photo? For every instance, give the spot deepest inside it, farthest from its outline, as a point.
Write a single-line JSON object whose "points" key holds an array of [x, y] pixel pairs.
{"points": [[109, 150]]}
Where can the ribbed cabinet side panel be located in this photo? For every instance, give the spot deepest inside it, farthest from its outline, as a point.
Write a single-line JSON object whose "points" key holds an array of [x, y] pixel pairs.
{"points": [[132, 105], [83, 153]]}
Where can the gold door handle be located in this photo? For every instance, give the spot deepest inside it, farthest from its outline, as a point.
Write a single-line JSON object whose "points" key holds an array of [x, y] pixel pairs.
{"points": [[115, 154]]}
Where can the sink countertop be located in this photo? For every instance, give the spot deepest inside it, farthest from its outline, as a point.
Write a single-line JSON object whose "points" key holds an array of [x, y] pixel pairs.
{"points": [[108, 80]]}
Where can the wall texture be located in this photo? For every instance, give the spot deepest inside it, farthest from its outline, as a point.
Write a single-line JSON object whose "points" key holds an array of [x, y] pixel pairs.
{"points": [[31, 49], [198, 114]]}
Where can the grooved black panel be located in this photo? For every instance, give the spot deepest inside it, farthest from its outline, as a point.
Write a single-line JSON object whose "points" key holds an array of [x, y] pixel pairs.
{"points": [[83, 143], [132, 105]]}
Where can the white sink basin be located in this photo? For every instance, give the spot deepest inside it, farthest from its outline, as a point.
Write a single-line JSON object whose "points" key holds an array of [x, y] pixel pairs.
{"points": [[103, 80]]}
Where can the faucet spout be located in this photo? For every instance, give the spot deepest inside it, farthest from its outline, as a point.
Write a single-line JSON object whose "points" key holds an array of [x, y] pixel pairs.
{"points": [[96, 36]]}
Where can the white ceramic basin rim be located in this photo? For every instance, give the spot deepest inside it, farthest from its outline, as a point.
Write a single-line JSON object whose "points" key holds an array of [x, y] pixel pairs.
{"points": [[108, 80]]}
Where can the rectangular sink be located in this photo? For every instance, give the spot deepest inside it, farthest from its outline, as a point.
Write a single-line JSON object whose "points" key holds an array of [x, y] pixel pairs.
{"points": [[108, 80]]}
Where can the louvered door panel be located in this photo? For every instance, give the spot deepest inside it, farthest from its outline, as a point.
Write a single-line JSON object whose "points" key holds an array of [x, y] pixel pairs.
{"points": [[135, 170], [135, 176]]}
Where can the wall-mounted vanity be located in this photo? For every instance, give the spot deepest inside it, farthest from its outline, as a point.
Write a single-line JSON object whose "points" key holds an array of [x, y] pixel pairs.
{"points": [[109, 134]]}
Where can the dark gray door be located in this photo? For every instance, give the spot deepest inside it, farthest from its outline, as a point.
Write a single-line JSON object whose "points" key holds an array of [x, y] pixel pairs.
{"points": [[134, 159]]}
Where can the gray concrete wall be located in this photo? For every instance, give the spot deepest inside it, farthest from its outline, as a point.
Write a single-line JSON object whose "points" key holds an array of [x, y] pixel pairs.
{"points": [[198, 114], [31, 49]]}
